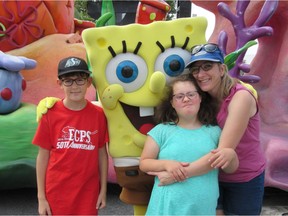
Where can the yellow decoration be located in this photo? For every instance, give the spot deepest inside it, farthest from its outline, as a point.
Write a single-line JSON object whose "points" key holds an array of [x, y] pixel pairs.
{"points": [[251, 88]]}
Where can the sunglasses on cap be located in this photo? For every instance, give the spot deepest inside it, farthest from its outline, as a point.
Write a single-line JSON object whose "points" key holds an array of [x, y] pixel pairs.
{"points": [[210, 47]]}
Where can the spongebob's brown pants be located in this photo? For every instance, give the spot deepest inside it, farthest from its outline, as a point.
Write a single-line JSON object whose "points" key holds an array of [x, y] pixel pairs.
{"points": [[136, 185]]}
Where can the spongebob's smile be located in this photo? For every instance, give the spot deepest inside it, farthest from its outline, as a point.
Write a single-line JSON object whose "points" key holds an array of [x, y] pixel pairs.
{"points": [[140, 117]]}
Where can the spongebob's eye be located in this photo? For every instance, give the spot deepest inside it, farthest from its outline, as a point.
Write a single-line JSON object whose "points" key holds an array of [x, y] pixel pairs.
{"points": [[172, 62], [128, 70]]}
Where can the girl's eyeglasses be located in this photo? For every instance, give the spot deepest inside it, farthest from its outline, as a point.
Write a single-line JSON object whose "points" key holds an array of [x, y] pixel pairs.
{"points": [[210, 47], [69, 82], [190, 95]]}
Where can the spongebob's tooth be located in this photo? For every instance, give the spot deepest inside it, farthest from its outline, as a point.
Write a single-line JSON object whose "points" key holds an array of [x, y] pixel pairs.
{"points": [[146, 111]]}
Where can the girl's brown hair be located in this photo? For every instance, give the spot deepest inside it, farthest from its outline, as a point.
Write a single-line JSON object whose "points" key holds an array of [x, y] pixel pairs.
{"points": [[165, 113]]}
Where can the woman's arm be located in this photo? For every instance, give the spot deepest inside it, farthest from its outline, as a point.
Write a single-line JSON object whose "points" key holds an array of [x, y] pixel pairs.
{"points": [[103, 173], [232, 166], [196, 168], [203, 166], [41, 167], [241, 108], [199, 167]]}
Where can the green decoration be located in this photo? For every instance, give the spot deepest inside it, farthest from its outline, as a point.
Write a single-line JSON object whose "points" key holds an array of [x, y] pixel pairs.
{"points": [[18, 155]]}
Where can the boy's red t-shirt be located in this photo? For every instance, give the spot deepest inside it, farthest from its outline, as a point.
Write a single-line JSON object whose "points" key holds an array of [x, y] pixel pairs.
{"points": [[73, 138]]}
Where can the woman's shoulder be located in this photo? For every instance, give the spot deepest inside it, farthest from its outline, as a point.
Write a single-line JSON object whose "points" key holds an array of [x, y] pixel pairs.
{"points": [[243, 95], [240, 94], [244, 88]]}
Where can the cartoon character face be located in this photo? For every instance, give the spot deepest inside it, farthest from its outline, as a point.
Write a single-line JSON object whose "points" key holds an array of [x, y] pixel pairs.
{"points": [[131, 66], [11, 86], [12, 83]]}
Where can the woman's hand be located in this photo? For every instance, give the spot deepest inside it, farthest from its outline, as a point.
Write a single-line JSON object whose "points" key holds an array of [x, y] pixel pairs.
{"points": [[224, 158]]}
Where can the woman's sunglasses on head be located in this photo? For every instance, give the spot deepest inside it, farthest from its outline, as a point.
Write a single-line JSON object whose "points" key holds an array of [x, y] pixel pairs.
{"points": [[210, 47]]}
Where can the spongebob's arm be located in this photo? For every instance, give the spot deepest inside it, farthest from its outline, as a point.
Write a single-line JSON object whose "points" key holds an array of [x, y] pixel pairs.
{"points": [[44, 105]]}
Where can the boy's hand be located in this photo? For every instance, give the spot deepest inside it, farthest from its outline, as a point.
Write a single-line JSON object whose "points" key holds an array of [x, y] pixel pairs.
{"points": [[44, 105], [43, 207], [101, 202]]}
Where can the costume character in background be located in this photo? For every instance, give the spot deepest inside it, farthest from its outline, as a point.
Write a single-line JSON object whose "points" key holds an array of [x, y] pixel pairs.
{"points": [[131, 66]]}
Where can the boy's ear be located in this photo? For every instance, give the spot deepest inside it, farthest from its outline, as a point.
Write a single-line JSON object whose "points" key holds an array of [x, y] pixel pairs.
{"points": [[89, 80], [59, 82]]}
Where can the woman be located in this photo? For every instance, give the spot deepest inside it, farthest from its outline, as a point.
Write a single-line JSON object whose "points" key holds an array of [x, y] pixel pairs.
{"points": [[241, 193], [181, 145]]}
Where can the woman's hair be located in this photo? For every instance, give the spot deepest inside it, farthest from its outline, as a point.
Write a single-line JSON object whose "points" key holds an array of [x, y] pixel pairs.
{"points": [[165, 113], [227, 82]]}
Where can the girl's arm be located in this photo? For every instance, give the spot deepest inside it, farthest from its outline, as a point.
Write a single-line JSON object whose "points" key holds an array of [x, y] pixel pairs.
{"points": [[241, 108], [150, 163], [41, 167], [178, 171], [103, 169]]}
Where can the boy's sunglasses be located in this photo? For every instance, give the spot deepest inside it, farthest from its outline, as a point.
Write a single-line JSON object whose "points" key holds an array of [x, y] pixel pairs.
{"points": [[210, 47]]}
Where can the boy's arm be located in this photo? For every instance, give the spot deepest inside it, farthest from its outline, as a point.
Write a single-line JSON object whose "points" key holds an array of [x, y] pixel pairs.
{"points": [[41, 167], [103, 172]]}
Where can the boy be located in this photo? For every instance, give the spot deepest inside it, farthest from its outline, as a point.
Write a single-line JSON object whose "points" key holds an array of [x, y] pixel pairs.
{"points": [[72, 161]]}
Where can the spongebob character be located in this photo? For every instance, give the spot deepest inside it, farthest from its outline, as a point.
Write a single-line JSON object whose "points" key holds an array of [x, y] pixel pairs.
{"points": [[131, 66]]}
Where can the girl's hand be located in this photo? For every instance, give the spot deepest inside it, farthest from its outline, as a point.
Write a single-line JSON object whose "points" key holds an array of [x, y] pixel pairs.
{"points": [[164, 177], [177, 170]]}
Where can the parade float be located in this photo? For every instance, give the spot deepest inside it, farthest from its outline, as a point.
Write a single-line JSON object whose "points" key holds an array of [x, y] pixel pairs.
{"points": [[44, 32]]}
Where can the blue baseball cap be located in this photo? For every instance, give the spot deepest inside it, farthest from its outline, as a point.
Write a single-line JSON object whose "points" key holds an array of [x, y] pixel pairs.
{"points": [[206, 54]]}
